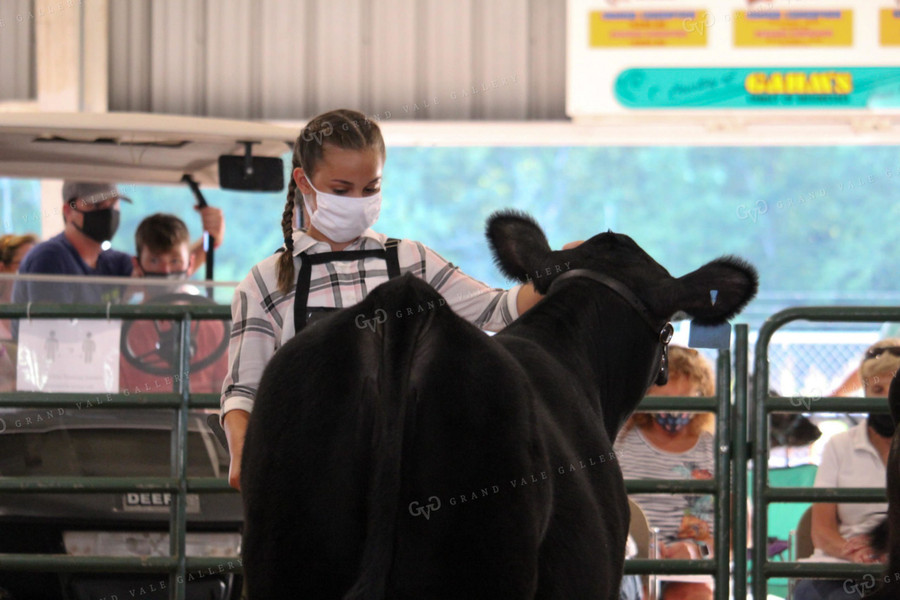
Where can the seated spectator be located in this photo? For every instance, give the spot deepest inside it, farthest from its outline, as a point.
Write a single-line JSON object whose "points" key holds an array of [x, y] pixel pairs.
{"points": [[853, 383], [631, 588], [162, 245], [91, 216], [676, 446], [13, 249], [854, 458]]}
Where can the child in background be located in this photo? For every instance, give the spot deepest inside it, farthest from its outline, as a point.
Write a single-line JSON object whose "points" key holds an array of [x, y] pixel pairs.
{"points": [[163, 247]]}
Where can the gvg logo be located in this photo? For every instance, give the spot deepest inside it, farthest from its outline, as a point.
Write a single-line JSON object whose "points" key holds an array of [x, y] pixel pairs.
{"points": [[380, 317], [753, 212], [2, 426], [417, 510], [700, 25], [861, 587], [807, 401]]}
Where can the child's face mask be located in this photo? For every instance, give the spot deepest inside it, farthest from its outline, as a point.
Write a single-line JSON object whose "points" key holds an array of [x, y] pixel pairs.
{"points": [[343, 218], [172, 264]]}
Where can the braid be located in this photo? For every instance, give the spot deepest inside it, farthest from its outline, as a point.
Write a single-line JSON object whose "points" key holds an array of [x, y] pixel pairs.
{"points": [[286, 260]]}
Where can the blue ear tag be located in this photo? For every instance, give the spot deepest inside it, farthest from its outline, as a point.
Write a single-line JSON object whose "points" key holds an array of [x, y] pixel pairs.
{"points": [[710, 336]]}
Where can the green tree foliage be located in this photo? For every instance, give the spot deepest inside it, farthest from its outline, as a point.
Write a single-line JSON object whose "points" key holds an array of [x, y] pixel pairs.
{"points": [[817, 222]]}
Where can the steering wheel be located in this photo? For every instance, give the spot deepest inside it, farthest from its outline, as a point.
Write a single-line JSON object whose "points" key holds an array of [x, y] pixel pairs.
{"points": [[162, 358]]}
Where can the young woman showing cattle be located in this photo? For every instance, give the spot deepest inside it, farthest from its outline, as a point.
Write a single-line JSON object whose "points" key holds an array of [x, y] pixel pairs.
{"points": [[676, 446], [332, 258]]}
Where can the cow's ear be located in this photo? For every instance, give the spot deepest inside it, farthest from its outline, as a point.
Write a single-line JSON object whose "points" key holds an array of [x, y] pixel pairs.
{"points": [[517, 242], [715, 292]]}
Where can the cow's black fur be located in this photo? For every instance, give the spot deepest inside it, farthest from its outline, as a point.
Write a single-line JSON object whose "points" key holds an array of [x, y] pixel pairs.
{"points": [[397, 402]]}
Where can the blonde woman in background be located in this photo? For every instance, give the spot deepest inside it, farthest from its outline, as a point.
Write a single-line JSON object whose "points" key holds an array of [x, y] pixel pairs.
{"points": [[676, 446]]}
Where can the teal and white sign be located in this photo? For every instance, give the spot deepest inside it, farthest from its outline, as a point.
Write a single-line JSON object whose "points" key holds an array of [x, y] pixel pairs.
{"points": [[760, 88]]}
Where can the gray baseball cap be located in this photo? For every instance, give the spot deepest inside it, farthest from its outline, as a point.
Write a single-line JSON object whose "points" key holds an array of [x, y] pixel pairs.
{"points": [[90, 192]]}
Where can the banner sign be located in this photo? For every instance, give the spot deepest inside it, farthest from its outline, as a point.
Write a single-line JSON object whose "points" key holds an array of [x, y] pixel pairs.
{"points": [[890, 27], [610, 29], [760, 88], [793, 28], [754, 55]]}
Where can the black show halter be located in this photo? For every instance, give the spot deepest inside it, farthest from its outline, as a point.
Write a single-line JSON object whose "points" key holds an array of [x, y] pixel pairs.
{"points": [[664, 327]]}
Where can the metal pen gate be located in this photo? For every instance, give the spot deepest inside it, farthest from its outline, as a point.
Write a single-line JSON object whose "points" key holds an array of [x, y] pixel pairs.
{"points": [[730, 481], [177, 564], [763, 494], [730, 445]]}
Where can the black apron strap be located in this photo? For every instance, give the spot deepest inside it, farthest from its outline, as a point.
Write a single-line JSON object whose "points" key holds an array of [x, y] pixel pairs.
{"points": [[301, 295], [304, 278], [391, 257]]}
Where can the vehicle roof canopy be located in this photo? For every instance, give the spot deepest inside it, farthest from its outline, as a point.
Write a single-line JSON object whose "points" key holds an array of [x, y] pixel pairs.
{"points": [[129, 147]]}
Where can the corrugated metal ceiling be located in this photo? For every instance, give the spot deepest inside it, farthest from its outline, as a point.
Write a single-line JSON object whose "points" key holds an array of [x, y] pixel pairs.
{"points": [[291, 59]]}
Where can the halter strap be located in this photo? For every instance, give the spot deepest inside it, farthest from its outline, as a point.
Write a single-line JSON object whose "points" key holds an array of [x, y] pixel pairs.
{"points": [[619, 288], [665, 330]]}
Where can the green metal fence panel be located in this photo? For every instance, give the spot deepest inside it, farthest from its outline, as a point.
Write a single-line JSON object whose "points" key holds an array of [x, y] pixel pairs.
{"points": [[739, 448], [723, 477], [763, 494], [730, 444], [177, 565], [70, 400], [719, 486]]}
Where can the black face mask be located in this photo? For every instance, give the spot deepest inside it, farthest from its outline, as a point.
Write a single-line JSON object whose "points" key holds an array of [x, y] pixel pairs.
{"points": [[882, 424], [99, 225], [174, 275]]}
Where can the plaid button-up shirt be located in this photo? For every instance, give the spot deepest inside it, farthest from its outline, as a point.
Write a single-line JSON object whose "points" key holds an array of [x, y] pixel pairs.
{"points": [[263, 317]]}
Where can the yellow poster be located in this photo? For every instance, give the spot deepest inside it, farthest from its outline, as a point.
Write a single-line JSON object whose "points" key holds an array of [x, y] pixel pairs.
{"points": [[759, 28], [647, 28], [890, 27]]}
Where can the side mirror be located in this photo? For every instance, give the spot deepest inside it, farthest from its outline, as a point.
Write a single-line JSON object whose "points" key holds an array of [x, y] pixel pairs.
{"points": [[253, 173]]}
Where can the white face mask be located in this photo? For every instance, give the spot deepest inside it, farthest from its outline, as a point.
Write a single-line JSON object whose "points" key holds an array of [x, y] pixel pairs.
{"points": [[342, 218]]}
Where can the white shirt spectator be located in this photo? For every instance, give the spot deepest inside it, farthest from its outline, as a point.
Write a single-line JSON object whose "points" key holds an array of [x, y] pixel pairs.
{"points": [[850, 460]]}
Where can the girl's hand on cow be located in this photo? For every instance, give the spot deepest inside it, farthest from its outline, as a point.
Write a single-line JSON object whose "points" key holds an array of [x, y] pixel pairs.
{"points": [[235, 430]]}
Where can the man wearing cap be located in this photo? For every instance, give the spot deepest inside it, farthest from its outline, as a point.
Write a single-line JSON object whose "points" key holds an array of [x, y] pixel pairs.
{"points": [[91, 216]]}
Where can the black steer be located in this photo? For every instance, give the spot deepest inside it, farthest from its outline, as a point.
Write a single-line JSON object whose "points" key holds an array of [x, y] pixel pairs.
{"points": [[395, 451]]}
